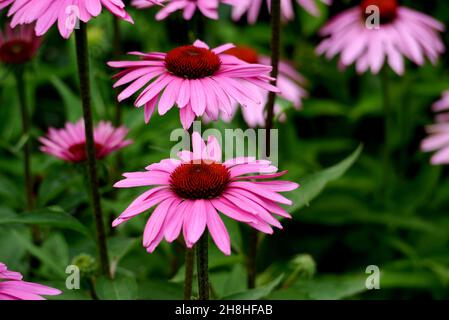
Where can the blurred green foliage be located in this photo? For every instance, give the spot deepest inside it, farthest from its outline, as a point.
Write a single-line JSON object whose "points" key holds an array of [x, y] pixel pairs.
{"points": [[344, 219]]}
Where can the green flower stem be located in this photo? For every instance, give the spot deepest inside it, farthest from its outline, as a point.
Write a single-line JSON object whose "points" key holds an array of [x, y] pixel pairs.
{"points": [[253, 243], [275, 56], [83, 71], [117, 35]]}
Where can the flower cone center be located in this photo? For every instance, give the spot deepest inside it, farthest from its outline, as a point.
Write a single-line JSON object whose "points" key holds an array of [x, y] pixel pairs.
{"points": [[191, 62], [199, 180], [388, 9], [246, 54], [78, 151], [16, 51]]}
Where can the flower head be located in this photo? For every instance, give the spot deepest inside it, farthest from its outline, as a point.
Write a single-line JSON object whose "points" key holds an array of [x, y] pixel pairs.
{"points": [[191, 192], [199, 81], [441, 107], [209, 8], [18, 45], [253, 7], [402, 32], [69, 143], [66, 13], [289, 82], [438, 139], [12, 287]]}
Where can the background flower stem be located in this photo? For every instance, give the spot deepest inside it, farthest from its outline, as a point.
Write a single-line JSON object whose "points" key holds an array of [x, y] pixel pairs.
{"points": [[117, 40], [203, 266], [275, 56], [190, 253], [83, 71], [21, 91]]}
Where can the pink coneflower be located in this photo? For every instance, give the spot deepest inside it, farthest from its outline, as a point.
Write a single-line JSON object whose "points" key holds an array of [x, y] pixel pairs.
{"points": [[209, 8], [69, 143], [198, 80], [253, 7], [191, 191], [402, 32], [441, 107], [438, 139], [12, 287], [18, 45], [5, 3], [289, 83], [65, 12]]}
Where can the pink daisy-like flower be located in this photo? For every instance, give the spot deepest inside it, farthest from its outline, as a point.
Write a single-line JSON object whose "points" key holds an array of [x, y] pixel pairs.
{"points": [[18, 45], [196, 79], [253, 7], [208, 8], [441, 107], [438, 139], [5, 3], [190, 193], [12, 287], [289, 82], [69, 143], [402, 32], [65, 13]]}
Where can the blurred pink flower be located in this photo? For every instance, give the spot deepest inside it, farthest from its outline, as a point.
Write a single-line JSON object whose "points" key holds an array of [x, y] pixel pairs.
{"points": [[65, 13], [438, 139], [190, 191], [18, 45], [402, 32], [69, 143], [253, 7], [198, 80], [12, 287], [442, 108], [208, 8], [289, 82]]}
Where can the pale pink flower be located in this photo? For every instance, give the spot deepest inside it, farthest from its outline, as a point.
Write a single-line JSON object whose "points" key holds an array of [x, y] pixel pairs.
{"points": [[69, 143], [12, 287], [438, 139], [199, 81], [209, 8], [252, 8], [441, 107], [190, 193], [18, 45], [289, 82], [402, 32], [65, 13]]}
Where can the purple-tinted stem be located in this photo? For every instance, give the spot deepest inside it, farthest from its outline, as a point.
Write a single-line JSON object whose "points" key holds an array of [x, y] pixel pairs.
{"points": [[275, 56], [203, 266], [83, 72]]}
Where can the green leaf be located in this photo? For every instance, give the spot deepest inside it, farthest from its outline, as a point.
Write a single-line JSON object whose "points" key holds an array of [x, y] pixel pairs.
{"points": [[52, 217], [156, 289], [120, 288], [329, 287], [257, 293], [118, 248], [313, 185], [47, 258], [71, 100]]}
